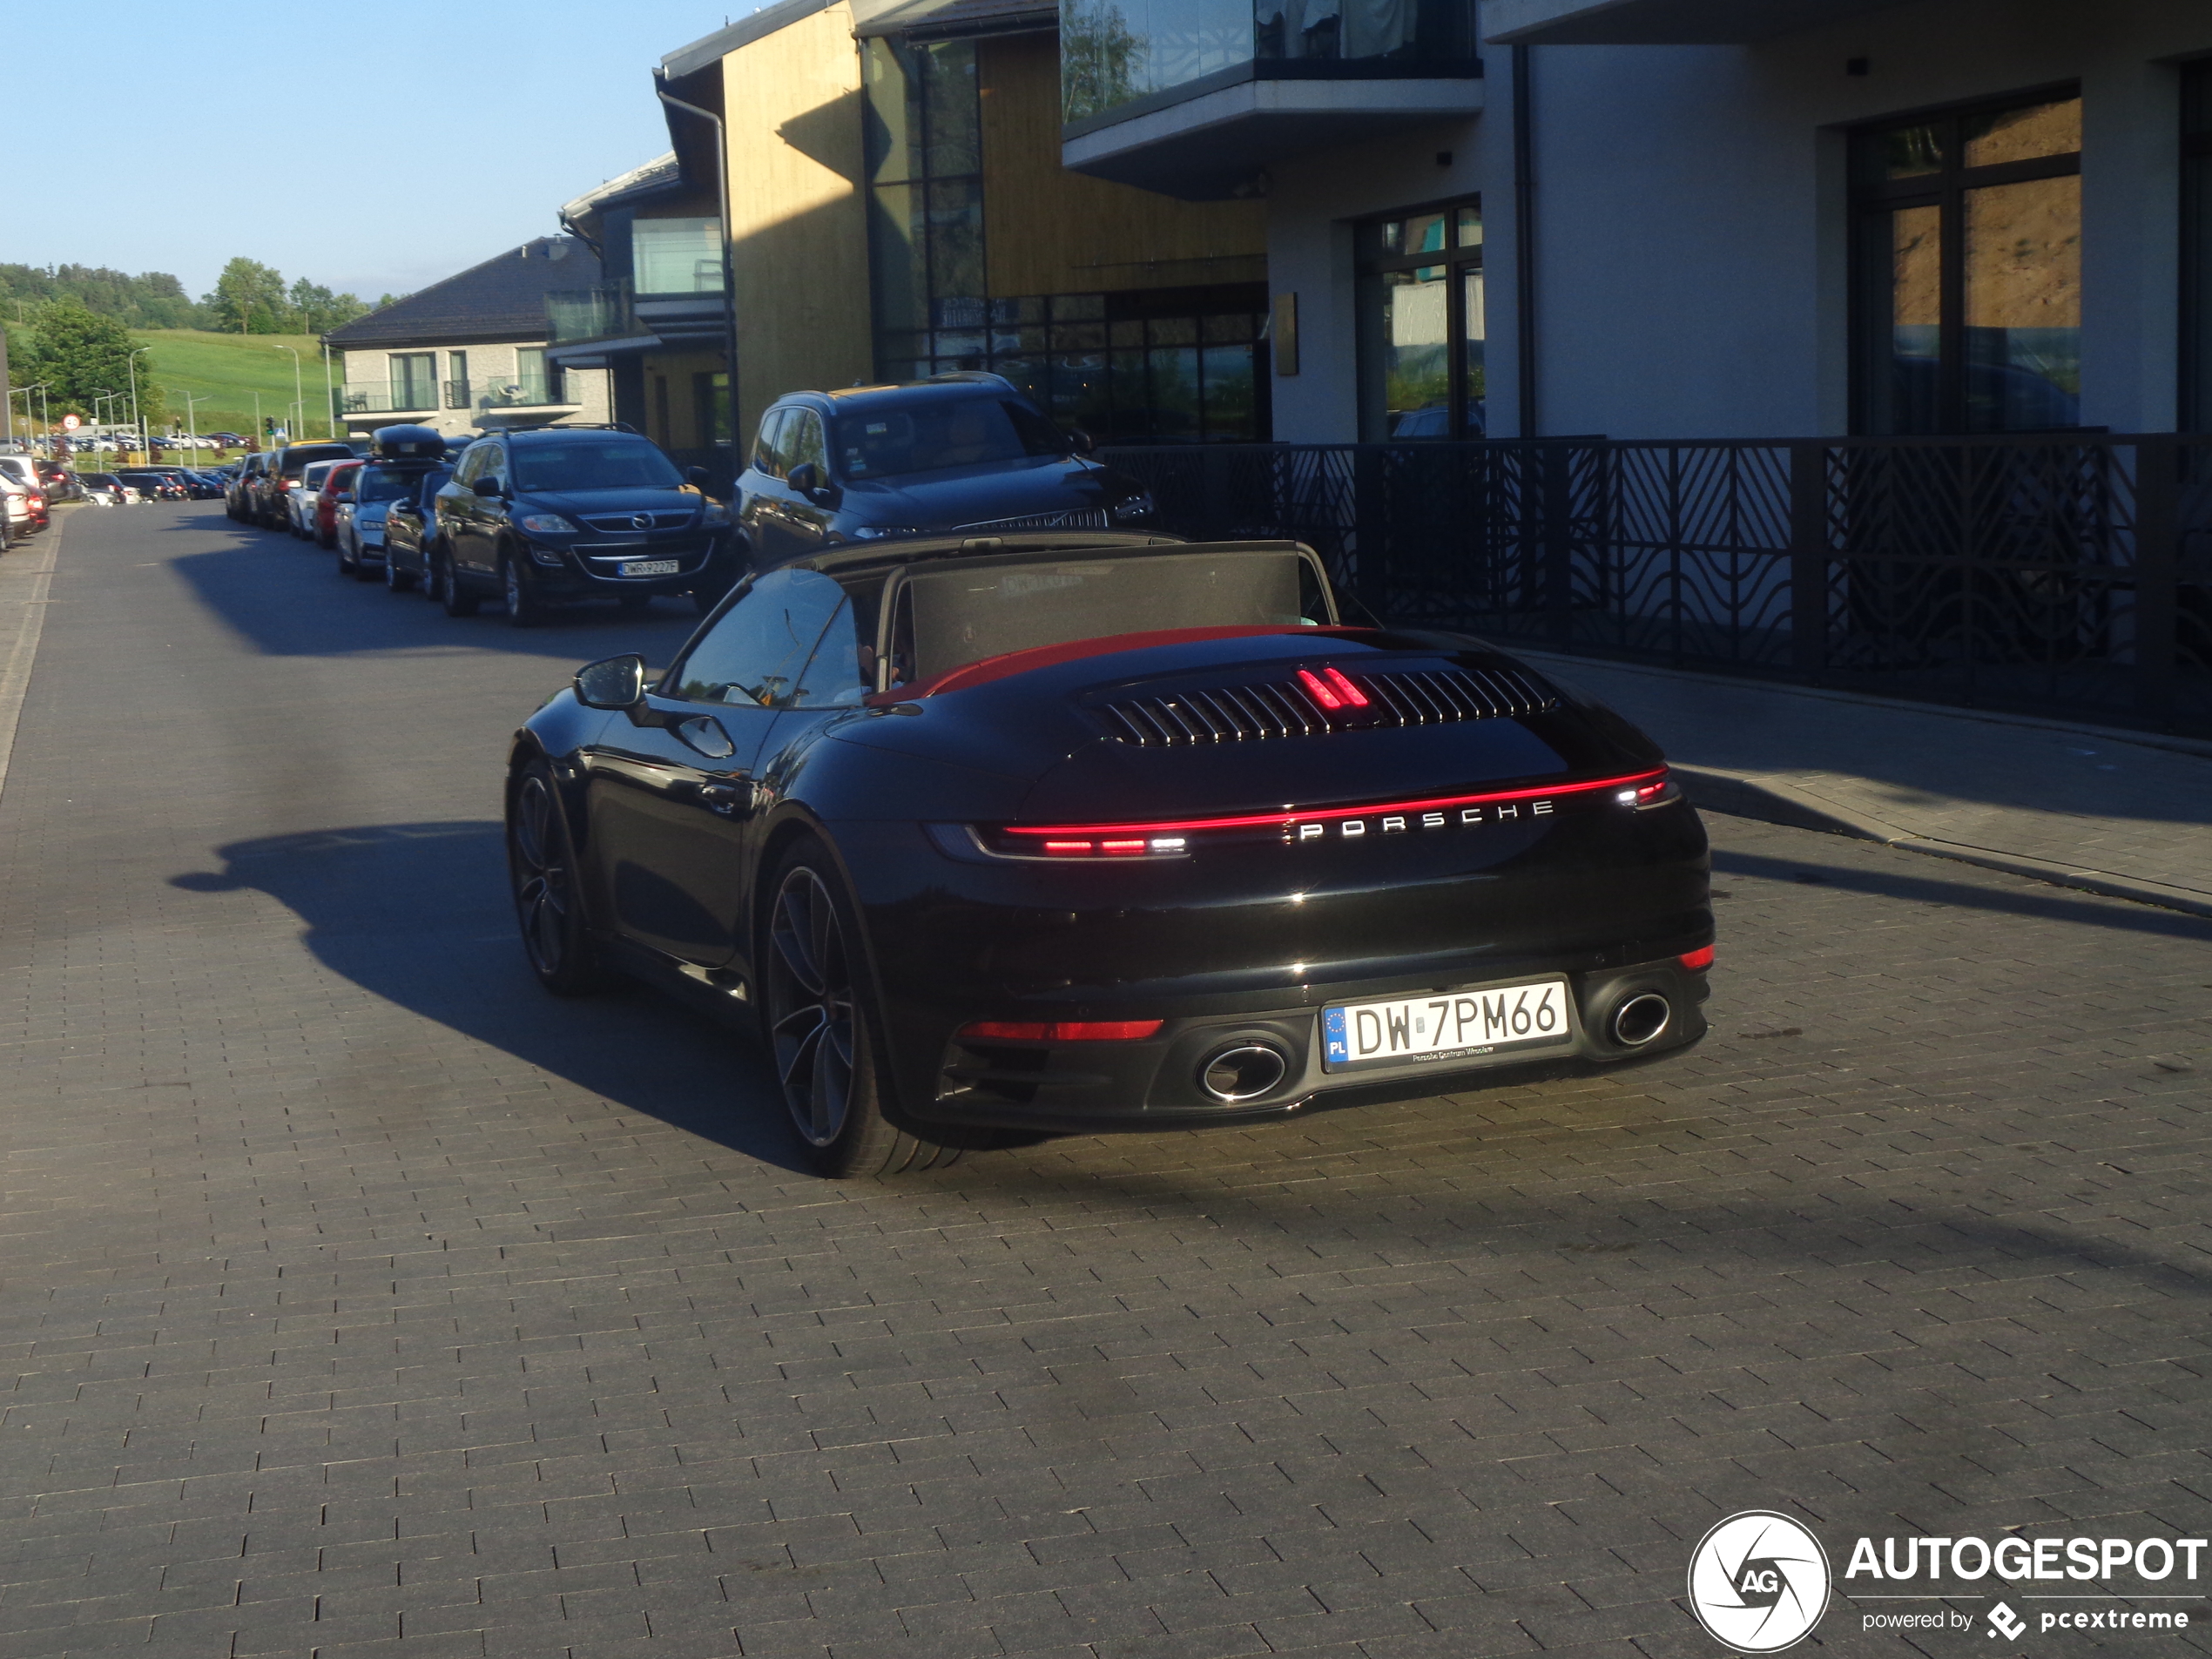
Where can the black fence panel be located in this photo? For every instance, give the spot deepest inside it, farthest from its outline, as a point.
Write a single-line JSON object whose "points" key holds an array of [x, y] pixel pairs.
{"points": [[2068, 575]]}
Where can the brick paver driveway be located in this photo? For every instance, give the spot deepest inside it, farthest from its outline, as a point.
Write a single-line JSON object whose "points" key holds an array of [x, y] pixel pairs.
{"points": [[359, 1299]]}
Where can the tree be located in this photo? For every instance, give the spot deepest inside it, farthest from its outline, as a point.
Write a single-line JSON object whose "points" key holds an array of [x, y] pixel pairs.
{"points": [[249, 298], [317, 311], [82, 354]]}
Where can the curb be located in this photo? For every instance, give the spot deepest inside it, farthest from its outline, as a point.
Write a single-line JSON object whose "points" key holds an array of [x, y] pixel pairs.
{"points": [[1773, 801]]}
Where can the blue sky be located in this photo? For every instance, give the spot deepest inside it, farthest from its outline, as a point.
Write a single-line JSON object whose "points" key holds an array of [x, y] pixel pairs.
{"points": [[375, 148]]}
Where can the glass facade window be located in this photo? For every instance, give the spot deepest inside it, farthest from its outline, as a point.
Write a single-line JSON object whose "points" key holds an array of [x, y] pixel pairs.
{"points": [[1422, 325], [1115, 53], [415, 380], [2196, 247], [675, 255], [1968, 231], [1148, 366]]}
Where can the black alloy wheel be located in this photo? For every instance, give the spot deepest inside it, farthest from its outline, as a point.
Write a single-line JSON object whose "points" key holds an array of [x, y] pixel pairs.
{"points": [[819, 1020], [458, 600], [540, 865], [395, 580], [525, 609]]}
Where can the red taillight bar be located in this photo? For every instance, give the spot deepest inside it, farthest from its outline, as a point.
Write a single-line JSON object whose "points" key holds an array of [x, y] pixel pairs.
{"points": [[1062, 1030], [1631, 782]]}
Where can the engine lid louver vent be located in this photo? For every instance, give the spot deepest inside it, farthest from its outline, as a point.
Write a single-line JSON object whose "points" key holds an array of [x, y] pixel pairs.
{"points": [[1283, 708]]}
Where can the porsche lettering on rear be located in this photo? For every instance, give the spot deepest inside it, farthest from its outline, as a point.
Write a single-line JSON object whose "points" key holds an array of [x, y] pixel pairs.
{"points": [[1350, 829]]}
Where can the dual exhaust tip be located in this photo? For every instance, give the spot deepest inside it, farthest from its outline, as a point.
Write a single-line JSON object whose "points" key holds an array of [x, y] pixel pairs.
{"points": [[1251, 1069]]}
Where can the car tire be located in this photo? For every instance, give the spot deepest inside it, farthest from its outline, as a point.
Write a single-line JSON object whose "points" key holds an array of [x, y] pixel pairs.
{"points": [[820, 1026], [326, 541], [458, 600], [524, 608], [542, 877], [347, 565], [395, 580]]}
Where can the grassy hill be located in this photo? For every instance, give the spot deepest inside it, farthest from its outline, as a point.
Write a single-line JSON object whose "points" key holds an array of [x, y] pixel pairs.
{"points": [[233, 367]]}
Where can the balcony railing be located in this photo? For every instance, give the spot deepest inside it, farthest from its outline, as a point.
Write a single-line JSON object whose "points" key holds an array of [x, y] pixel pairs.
{"points": [[1118, 54], [524, 391], [606, 312], [457, 394], [2067, 575], [380, 398]]}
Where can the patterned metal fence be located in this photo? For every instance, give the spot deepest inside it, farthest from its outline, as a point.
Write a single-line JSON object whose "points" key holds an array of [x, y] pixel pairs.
{"points": [[2064, 576]]}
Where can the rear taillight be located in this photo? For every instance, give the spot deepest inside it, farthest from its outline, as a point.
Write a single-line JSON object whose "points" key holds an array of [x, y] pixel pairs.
{"points": [[1696, 961], [1060, 1030]]}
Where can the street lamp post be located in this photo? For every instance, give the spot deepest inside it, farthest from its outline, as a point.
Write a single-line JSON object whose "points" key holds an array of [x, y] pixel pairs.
{"points": [[99, 433], [192, 419], [131, 364], [299, 393]]}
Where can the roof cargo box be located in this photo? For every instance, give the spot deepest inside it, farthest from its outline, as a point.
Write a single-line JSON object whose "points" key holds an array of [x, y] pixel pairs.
{"points": [[408, 443]]}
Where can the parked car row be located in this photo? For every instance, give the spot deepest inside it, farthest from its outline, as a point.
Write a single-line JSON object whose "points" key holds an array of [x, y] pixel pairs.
{"points": [[531, 519]]}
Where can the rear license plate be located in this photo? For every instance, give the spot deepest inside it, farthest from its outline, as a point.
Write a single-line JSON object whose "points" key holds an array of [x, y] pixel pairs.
{"points": [[650, 567], [1450, 1025]]}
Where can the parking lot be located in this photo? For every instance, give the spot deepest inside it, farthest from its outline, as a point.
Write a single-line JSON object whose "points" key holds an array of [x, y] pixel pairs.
{"points": [[359, 1298]]}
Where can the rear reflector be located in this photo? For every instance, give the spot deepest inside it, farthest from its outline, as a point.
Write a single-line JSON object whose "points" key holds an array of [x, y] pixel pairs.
{"points": [[1697, 961], [1061, 1030]]}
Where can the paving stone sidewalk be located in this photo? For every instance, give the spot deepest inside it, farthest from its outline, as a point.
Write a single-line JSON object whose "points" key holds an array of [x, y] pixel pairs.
{"points": [[358, 1301], [2107, 811]]}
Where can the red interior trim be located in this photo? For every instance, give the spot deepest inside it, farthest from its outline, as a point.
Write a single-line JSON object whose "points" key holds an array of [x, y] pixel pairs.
{"points": [[1292, 815], [1023, 661]]}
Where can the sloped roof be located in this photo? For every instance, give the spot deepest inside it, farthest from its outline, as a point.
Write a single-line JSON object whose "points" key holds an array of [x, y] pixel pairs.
{"points": [[656, 174], [502, 298]]}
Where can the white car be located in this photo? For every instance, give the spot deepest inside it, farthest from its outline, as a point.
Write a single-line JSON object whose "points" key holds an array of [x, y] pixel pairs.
{"points": [[300, 500], [16, 500]]}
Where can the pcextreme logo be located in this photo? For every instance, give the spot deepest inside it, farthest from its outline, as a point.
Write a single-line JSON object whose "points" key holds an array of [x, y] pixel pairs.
{"points": [[1758, 1582]]}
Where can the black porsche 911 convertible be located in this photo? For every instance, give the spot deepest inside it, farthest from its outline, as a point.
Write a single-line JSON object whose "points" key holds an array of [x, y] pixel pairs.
{"points": [[1074, 832]]}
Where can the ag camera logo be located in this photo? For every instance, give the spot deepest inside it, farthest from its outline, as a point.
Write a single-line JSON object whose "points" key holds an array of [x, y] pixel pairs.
{"points": [[1758, 1582]]}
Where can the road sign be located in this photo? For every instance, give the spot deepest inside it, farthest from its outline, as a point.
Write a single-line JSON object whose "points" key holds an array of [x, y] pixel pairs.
{"points": [[69, 423]]}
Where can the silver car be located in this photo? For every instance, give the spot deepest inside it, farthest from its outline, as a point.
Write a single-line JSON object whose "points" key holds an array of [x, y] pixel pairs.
{"points": [[361, 515]]}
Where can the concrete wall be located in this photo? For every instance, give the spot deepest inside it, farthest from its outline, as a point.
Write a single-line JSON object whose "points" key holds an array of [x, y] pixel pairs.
{"points": [[1690, 216], [798, 221]]}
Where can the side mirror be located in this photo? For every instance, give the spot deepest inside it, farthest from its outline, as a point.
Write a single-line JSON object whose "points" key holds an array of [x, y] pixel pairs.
{"points": [[614, 683], [698, 475], [486, 486], [806, 478], [1081, 441]]}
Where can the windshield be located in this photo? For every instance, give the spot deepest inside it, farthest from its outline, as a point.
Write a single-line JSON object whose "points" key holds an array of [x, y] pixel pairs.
{"points": [[955, 617], [943, 432], [592, 464], [384, 483]]}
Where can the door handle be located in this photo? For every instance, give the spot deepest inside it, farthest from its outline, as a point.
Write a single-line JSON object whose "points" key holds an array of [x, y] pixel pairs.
{"points": [[730, 800]]}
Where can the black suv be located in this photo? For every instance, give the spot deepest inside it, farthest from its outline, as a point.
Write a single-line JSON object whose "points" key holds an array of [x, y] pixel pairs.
{"points": [[567, 513], [964, 451]]}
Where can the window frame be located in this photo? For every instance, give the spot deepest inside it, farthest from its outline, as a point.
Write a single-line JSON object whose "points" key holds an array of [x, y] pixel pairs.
{"points": [[2193, 393], [1946, 190], [1371, 263]]}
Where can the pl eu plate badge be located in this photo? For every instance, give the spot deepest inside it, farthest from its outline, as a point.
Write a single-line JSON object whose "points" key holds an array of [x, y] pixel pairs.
{"points": [[1338, 1047]]}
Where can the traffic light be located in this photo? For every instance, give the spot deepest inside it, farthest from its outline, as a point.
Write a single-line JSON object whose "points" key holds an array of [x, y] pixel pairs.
{"points": [[268, 426]]}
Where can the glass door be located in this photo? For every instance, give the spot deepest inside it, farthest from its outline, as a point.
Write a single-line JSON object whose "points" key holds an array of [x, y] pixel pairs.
{"points": [[1422, 324]]}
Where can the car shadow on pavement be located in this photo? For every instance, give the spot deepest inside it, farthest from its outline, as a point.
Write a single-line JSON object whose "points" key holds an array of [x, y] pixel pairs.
{"points": [[2030, 898], [285, 598], [417, 914]]}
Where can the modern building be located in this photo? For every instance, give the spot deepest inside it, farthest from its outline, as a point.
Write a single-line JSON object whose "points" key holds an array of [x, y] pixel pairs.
{"points": [[1689, 218], [470, 353], [655, 322], [896, 206]]}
